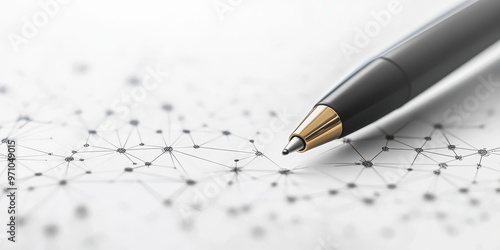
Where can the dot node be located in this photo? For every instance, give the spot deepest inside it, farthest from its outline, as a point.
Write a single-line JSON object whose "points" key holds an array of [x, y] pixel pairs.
{"points": [[81, 212], [51, 231], [474, 202], [167, 202], [236, 169], [333, 192], [367, 164], [429, 197], [482, 152], [368, 201], [167, 107], [285, 171]]}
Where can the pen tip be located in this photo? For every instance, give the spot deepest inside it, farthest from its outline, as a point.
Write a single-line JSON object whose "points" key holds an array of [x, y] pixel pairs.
{"points": [[295, 144]]}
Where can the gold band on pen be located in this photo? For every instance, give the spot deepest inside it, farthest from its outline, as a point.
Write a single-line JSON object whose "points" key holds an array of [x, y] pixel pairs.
{"points": [[320, 126]]}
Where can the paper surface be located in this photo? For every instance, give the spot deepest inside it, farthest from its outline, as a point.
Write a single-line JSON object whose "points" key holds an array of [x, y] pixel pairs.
{"points": [[164, 129]]}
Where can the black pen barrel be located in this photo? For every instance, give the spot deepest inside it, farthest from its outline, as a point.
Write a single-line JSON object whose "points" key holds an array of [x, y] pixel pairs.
{"points": [[377, 89], [441, 49], [390, 81]]}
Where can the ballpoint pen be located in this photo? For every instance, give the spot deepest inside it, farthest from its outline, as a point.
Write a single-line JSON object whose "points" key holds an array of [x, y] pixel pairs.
{"points": [[398, 75]]}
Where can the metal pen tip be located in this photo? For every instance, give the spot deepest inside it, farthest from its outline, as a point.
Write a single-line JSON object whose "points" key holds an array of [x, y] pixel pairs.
{"points": [[293, 145]]}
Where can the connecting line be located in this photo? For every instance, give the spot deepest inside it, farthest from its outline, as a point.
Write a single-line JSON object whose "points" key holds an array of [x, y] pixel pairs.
{"points": [[180, 164], [194, 156], [128, 137], [119, 141], [106, 141], [357, 152], [139, 134], [168, 186]]}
